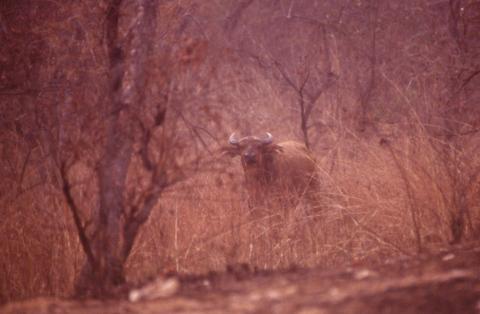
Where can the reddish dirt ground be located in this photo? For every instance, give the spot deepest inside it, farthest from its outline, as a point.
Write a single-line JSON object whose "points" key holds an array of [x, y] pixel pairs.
{"points": [[448, 282]]}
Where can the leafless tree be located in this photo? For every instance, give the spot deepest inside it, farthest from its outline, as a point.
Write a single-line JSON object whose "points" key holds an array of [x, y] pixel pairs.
{"points": [[114, 227]]}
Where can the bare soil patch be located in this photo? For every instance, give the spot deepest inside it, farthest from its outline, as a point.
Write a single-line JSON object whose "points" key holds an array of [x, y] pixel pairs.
{"points": [[447, 282]]}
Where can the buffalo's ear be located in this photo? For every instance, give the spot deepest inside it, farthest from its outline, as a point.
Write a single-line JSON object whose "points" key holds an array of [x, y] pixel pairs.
{"points": [[230, 151]]}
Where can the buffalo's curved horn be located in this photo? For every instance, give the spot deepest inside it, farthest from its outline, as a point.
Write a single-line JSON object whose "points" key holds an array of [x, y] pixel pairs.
{"points": [[268, 139], [233, 140]]}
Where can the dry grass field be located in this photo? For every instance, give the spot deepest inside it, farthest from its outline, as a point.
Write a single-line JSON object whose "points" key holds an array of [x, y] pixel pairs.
{"points": [[385, 95], [378, 202]]}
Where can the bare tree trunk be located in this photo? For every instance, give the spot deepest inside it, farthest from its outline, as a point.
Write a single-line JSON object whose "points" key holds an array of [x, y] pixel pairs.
{"points": [[116, 225]]}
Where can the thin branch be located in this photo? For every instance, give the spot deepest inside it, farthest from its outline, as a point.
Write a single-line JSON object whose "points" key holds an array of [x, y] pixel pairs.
{"points": [[285, 75], [67, 192], [22, 173]]}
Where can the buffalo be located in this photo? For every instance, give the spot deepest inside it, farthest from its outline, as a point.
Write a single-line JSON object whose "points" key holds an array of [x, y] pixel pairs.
{"points": [[284, 171]]}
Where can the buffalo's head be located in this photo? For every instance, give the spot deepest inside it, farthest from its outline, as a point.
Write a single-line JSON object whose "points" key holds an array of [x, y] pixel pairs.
{"points": [[254, 151]]}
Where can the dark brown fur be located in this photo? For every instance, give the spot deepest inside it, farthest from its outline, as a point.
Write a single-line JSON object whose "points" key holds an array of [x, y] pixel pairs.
{"points": [[283, 171]]}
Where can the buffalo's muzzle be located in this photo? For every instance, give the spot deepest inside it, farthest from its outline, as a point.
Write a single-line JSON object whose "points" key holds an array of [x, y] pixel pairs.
{"points": [[249, 158]]}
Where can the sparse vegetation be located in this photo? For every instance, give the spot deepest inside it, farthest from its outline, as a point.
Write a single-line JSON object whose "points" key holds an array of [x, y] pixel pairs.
{"points": [[385, 93]]}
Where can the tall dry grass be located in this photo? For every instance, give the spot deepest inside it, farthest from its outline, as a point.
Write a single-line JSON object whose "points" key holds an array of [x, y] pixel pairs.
{"points": [[379, 199], [407, 184], [397, 193]]}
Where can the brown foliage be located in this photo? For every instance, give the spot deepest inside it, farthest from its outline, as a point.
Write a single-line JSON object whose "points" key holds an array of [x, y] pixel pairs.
{"points": [[385, 93]]}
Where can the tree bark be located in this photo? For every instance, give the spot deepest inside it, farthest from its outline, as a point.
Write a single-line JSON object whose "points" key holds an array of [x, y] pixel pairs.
{"points": [[113, 238]]}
